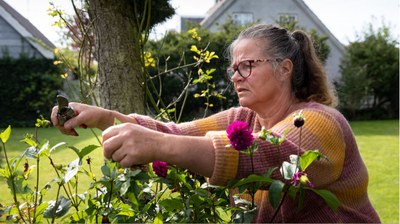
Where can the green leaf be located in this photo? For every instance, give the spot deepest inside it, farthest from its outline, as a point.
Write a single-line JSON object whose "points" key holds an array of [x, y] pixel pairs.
{"points": [[124, 187], [158, 219], [288, 170], [5, 135], [56, 146], [172, 204], [292, 191], [125, 210], [30, 142], [76, 150], [330, 199], [72, 170], [63, 205], [275, 193], [307, 158], [85, 151], [302, 194], [40, 211], [117, 122], [44, 149], [171, 110], [31, 153], [15, 163], [4, 173], [282, 139], [20, 184], [251, 179]]}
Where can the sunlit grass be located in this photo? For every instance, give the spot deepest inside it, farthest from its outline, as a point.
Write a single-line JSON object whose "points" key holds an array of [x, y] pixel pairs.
{"points": [[379, 146], [61, 156], [378, 142]]}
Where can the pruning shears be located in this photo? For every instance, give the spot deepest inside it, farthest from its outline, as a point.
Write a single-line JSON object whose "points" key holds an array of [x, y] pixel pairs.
{"points": [[65, 112]]}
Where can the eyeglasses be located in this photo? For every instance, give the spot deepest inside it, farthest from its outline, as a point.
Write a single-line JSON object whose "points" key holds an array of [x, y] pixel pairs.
{"points": [[244, 67]]}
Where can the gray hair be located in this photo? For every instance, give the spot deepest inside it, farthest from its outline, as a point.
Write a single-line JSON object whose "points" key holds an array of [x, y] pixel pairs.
{"points": [[309, 78]]}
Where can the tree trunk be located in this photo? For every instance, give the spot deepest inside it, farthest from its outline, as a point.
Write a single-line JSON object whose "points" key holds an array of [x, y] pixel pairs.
{"points": [[119, 61]]}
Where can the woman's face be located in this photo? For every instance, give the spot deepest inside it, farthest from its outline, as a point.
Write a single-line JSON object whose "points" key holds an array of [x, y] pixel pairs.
{"points": [[261, 89]]}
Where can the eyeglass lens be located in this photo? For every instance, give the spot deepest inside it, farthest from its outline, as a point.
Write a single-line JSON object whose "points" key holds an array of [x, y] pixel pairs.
{"points": [[244, 69]]}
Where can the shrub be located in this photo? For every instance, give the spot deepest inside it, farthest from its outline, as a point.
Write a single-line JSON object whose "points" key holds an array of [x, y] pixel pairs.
{"points": [[28, 87]]}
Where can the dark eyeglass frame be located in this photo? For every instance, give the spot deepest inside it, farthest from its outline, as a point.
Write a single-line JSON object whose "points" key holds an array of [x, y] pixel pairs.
{"points": [[230, 72]]}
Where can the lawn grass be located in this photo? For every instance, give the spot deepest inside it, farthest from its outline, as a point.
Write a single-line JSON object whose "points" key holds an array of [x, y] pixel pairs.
{"points": [[61, 156], [378, 142]]}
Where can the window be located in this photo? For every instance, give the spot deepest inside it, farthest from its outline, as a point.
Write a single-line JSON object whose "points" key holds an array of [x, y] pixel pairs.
{"points": [[287, 18], [242, 18]]}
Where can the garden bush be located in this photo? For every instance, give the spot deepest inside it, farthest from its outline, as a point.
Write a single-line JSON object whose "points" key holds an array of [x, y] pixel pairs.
{"points": [[28, 88]]}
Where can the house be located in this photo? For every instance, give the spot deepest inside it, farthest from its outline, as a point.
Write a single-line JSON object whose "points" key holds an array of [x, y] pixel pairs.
{"points": [[18, 36], [270, 11]]}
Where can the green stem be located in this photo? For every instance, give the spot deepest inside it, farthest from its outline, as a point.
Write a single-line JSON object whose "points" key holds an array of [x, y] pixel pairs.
{"points": [[298, 150], [56, 203], [253, 190], [37, 177], [111, 191], [65, 189], [37, 189], [76, 190], [280, 159], [279, 206], [12, 183]]}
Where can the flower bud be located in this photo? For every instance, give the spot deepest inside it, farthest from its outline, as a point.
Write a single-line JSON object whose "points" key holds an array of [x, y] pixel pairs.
{"points": [[305, 181], [298, 122], [298, 119], [263, 134]]}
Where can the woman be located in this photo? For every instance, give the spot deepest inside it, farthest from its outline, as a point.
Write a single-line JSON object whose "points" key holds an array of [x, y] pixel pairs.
{"points": [[275, 74]]}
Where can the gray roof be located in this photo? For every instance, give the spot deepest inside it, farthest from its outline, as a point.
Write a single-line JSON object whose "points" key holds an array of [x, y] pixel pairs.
{"points": [[221, 5], [27, 30]]}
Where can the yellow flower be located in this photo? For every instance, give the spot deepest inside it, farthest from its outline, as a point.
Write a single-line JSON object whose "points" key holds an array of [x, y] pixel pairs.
{"points": [[57, 62], [149, 60]]}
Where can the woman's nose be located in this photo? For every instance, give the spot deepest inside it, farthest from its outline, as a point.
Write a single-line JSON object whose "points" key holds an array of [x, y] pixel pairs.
{"points": [[236, 76]]}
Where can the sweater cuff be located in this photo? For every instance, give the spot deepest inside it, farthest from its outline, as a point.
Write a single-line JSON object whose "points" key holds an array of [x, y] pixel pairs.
{"points": [[143, 120], [226, 159]]}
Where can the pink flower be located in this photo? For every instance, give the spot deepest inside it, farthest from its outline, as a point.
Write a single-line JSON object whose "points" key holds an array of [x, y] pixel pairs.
{"points": [[160, 168], [240, 135]]}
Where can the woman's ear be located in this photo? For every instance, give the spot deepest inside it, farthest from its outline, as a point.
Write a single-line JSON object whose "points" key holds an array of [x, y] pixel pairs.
{"points": [[285, 69]]}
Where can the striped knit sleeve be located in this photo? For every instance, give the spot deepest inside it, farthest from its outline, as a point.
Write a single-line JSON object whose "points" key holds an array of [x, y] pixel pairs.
{"points": [[193, 128], [226, 159], [198, 127], [322, 132], [213, 127]]}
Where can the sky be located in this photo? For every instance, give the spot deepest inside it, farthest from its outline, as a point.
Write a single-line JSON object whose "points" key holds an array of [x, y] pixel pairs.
{"points": [[344, 18]]}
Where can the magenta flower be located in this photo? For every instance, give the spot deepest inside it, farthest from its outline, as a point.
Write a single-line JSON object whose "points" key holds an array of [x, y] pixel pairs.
{"points": [[239, 135], [160, 168], [301, 177]]}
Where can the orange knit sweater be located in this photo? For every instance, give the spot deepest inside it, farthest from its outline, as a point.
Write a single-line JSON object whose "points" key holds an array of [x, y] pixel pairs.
{"points": [[325, 129]]}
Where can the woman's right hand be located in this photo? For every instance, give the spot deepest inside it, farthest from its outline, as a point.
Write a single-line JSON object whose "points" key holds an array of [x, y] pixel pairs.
{"points": [[86, 116]]}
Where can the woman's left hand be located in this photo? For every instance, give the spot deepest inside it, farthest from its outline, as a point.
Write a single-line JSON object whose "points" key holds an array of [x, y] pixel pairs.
{"points": [[131, 144]]}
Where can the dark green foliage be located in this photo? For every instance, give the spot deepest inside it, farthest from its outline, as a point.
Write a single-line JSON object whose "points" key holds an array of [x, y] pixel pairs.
{"points": [[160, 10], [369, 87], [174, 50], [28, 87]]}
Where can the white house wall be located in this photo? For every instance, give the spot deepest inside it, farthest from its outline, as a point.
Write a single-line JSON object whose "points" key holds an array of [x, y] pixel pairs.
{"points": [[12, 42]]}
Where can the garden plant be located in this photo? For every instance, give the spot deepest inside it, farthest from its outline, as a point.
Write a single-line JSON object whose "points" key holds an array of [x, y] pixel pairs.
{"points": [[159, 192]]}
